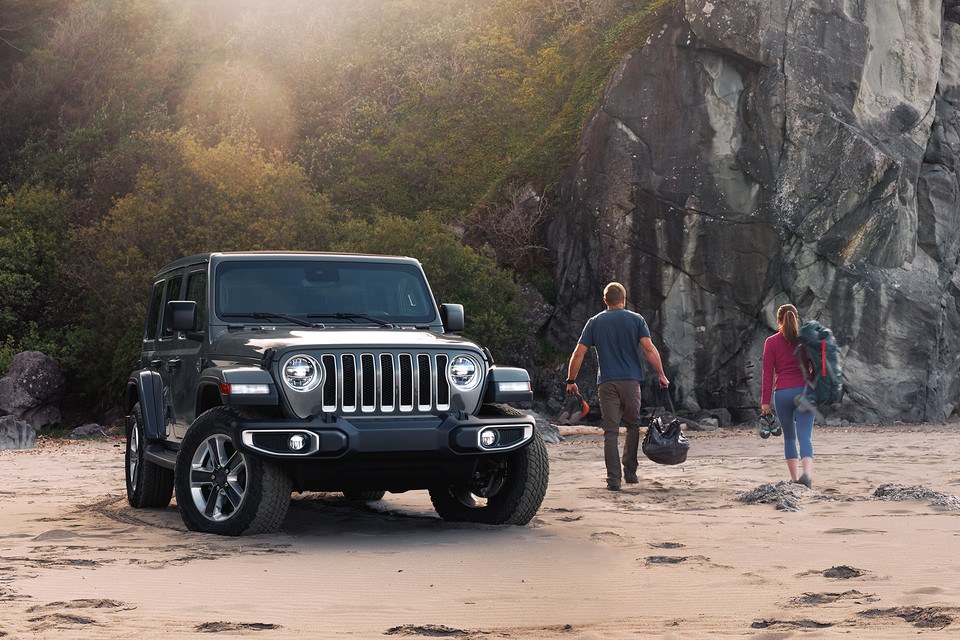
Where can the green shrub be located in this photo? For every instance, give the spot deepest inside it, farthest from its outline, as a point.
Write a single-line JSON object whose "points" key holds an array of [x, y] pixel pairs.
{"points": [[32, 229]]}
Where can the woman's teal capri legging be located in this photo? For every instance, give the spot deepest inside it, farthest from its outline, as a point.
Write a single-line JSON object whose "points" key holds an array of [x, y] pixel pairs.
{"points": [[797, 425]]}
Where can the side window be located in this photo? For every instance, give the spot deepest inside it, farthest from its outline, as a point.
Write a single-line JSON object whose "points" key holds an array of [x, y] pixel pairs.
{"points": [[173, 293], [197, 291], [153, 313]]}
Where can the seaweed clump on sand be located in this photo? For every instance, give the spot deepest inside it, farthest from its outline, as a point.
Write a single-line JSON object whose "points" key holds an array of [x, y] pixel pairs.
{"points": [[898, 492], [785, 495]]}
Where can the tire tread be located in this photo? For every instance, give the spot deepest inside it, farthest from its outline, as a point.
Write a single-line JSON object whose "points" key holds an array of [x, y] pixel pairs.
{"points": [[521, 503], [270, 495], [155, 488]]}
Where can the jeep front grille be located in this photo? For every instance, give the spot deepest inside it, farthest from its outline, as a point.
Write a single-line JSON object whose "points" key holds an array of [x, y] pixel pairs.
{"points": [[370, 383]]}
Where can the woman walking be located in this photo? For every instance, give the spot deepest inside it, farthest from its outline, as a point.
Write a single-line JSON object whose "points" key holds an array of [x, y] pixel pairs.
{"points": [[781, 363]]}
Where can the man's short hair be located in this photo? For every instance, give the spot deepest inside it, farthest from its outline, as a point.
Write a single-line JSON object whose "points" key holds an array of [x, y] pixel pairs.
{"points": [[614, 293]]}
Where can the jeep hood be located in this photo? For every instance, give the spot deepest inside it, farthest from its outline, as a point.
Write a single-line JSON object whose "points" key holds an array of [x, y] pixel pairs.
{"points": [[247, 343]]}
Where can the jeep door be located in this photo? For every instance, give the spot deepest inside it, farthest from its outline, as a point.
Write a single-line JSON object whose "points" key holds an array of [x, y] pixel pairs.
{"points": [[183, 353], [157, 341]]}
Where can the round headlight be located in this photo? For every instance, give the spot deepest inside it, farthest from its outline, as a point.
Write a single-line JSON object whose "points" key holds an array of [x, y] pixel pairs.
{"points": [[464, 373], [302, 373]]}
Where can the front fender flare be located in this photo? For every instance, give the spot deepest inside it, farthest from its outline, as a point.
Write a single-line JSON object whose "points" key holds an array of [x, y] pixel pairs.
{"points": [[148, 386], [224, 378], [507, 385]]}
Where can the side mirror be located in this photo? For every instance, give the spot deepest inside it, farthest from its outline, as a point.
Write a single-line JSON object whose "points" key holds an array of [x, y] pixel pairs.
{"points": [[452, 317], [182, 315]]}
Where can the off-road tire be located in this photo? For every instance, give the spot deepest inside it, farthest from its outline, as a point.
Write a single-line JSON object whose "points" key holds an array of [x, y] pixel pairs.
{"points": [[518, 498], [263, 487], [149, 485], [364, 496]]}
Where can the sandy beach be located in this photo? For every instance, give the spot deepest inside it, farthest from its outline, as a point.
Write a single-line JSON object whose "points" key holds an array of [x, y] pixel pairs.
{"points": [[677, 556]]}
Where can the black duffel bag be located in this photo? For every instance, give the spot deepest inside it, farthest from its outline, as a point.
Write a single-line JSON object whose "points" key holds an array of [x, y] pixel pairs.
{"points": [[666, 444]]}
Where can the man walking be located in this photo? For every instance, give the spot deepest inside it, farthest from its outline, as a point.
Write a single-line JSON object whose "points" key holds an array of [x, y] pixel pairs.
{"points": [[616, 334]]}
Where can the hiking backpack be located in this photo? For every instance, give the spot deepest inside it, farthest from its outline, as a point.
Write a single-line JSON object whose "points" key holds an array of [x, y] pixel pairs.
{"points": [[820, 347]]}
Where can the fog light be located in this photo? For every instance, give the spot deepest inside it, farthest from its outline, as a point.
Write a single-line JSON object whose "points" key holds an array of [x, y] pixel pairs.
{"points": [[489, 438], [297, 442]]}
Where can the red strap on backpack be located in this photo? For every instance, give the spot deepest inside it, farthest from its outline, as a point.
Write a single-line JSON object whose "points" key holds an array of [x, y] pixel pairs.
{"points": [[823, 356]]}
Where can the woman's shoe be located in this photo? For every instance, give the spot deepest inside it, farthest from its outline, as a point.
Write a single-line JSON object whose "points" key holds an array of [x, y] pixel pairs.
{"points": [[769, 426], [805, 481]]}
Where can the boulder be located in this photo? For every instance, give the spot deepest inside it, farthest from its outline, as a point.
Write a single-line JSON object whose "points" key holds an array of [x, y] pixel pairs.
{"points": [[88, 431], [32, 389], [547, 431], [15, 434], [720, 417], [704, 424]]}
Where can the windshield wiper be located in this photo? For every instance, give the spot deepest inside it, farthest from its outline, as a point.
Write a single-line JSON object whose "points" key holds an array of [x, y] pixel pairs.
{"points": [[352, 316], [258, 315]]}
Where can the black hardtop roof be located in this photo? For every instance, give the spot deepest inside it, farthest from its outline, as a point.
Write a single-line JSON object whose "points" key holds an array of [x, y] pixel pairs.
{"points": [[202, 258]]}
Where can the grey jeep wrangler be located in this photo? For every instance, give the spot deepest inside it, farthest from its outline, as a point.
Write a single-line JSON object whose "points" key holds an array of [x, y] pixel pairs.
{"points": [[267, 373]]}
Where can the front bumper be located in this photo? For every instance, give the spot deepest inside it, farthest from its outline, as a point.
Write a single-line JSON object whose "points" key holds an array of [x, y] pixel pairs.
{"points": [[333, 437]]}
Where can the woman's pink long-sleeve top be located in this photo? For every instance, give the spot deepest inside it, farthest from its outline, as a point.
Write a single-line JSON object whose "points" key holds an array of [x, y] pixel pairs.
{"points": [[779, 360]]}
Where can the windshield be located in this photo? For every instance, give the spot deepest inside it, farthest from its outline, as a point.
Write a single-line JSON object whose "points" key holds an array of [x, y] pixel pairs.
{"points": [[327, 291]]}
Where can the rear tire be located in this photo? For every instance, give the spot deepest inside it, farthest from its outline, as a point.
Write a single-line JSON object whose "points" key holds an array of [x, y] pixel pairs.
{"points": [[148, 484], [222, 490]]}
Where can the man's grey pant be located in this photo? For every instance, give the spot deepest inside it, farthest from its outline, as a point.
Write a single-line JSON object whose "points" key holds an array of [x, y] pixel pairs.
{"points": [[620, 404]]}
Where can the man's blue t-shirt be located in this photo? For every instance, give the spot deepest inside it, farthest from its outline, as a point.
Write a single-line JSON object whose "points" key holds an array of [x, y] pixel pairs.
{"points": [[616, 334]]}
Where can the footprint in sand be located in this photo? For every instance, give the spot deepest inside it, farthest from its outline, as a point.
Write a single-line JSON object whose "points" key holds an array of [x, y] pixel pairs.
{"points": [[847, 532], [430, 630], [609, 537], [55, 534], [220, 627], [840, 572], [813, 599], [920, 617], [83, 603], [666, 559], [790, 624], [58, 615], [701, 560], [665, 545]]}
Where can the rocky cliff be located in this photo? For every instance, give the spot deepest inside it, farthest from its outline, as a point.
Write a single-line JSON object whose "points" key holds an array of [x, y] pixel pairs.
{"points": [[753, 153]]}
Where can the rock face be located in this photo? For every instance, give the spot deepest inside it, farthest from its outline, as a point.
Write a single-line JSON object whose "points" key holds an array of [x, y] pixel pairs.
{"points": [[15, 434], [754, 153], [32, 389]]}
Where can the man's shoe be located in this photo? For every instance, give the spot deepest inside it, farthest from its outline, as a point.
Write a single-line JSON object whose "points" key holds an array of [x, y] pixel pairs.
{"points": [[613, 487], [630, 478]]}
